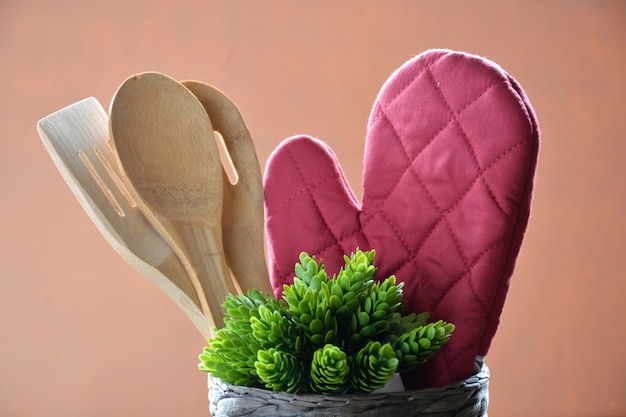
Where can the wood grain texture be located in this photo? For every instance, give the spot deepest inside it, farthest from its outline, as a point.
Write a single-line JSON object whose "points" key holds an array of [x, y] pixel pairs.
{"points": [[243, 206], [76, 139], [164, 143]]}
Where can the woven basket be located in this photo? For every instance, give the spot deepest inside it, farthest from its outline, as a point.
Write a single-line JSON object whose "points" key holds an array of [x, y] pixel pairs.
{"points": [[468, 398]]}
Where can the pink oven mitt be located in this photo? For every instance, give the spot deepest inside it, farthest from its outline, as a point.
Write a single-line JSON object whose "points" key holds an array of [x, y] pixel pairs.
{"points": [[450, 158]]}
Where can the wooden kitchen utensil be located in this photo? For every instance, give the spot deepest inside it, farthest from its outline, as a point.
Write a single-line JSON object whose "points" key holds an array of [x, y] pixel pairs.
{"points": [[76, 139], [242, 210], [164, 143]]}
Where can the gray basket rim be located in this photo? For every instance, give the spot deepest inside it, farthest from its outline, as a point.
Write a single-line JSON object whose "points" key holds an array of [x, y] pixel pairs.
{"points": [[470, 395]]}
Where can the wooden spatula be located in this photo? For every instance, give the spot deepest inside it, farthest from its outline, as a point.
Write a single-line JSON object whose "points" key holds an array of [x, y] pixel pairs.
{"points": [[242, 210], [76, 139]]}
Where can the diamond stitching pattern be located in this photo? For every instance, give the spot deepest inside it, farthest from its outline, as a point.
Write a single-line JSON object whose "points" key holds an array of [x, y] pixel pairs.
{"points": [[402, 165]]}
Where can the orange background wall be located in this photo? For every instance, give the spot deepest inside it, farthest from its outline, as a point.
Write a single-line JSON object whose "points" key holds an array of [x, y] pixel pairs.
{"points": [[82, 334]]}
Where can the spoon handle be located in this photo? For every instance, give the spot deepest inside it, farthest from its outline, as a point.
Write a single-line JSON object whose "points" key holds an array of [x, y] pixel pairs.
{"points": [[206, 264]]}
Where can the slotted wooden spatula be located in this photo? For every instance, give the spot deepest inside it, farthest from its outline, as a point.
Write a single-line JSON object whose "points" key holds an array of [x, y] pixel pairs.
{"points": [[242, 212], [76, 138]]}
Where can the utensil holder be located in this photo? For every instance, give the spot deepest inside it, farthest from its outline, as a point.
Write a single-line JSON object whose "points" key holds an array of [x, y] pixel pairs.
{"points": [[468, 398]]}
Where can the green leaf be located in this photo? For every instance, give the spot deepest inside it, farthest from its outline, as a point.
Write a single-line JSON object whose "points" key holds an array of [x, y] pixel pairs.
{"points": [[316, 326]]}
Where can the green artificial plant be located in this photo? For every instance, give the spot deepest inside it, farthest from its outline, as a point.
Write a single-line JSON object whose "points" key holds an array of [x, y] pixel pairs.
{"points": [[345, 334]]}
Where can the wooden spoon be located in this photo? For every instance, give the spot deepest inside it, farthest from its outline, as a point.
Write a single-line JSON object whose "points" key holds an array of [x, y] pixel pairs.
{"points": [[242, 210], [164, 142]]}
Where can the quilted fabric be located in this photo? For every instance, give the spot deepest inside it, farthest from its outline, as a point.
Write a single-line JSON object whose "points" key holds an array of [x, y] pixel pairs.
{"points": [[450, 158]]}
